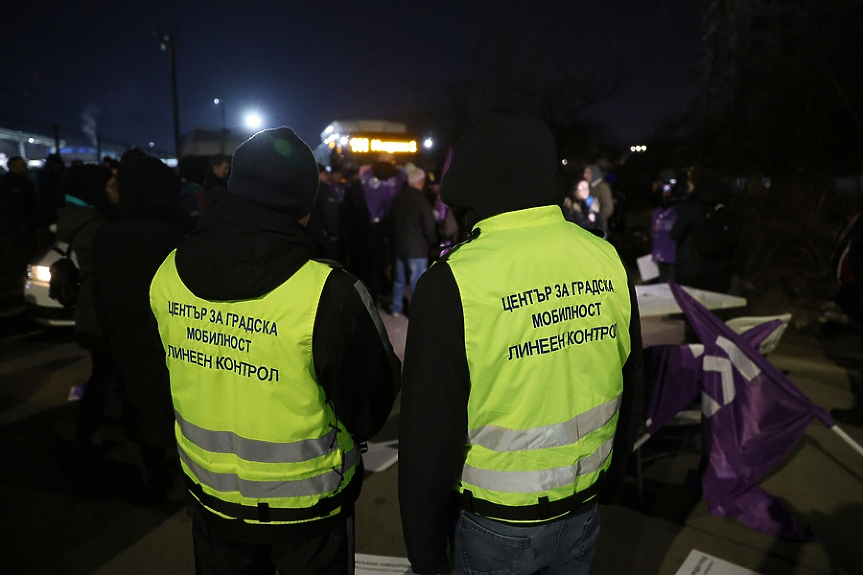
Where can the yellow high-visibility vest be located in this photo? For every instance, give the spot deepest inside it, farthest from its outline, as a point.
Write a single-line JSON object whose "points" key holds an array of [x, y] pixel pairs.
{"points": [[546, 320], [257, 437]]}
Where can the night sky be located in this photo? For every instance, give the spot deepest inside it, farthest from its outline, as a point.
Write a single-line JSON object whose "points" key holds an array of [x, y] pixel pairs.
{"points": [[96, 65]]}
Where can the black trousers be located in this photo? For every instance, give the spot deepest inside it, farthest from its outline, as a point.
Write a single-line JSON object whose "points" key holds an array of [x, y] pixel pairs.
{"points": [[320, 552]]}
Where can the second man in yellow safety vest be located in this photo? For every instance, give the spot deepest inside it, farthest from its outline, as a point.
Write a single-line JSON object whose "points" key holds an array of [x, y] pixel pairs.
{"points": [[522, 370]]}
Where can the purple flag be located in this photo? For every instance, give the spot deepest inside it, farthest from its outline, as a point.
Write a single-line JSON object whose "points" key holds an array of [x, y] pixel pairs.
{"points": [[672, 380], [672, 375], [752, 416]]}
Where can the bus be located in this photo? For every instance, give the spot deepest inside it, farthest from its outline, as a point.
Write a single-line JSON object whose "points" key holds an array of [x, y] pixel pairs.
{"points": [[348, 144]]}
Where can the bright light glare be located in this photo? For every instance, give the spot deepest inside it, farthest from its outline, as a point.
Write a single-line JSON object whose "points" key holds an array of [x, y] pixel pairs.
{"points": [[216, 101], [428, 143], [253, 120], [564, 161], [39, 273]]}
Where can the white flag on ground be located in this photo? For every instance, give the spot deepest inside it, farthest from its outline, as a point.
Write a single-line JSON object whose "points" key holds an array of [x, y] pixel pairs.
{"points": [[377, 564], [701, 563], [381, 456]]}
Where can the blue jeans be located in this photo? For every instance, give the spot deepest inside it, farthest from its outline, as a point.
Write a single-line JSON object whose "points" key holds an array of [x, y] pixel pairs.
{"points": [[406, 267], [563, 547]]}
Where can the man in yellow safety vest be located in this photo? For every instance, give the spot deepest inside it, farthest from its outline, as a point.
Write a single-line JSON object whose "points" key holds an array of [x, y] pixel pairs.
{"points": [[522, 375], [280, 367]]}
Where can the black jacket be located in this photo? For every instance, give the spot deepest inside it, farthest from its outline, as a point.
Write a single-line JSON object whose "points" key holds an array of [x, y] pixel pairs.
{"points": [[413, 224], [79, 225], [126, 254], [692, 268], [242, 251]]}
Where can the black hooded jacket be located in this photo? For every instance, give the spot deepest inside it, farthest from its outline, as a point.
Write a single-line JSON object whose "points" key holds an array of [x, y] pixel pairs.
{"points": [[502, 164], [240, 250], [126, 254], [692, 268]]}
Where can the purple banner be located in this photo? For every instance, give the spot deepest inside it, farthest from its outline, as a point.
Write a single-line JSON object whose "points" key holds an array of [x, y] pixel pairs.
{"points": [[752, 417]]}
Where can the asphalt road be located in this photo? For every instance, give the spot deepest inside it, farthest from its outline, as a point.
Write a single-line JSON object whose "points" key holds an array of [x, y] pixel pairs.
{"points": [[62, 513]]}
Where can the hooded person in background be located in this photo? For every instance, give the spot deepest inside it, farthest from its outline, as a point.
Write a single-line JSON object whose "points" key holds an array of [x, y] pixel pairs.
{"points": [[513, 424], [91, 195], [126, 254], [694, 267], [280, 368], [600, 190]]}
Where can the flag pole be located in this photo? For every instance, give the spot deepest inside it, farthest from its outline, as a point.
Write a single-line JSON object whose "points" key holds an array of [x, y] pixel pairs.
{"points": [[847, 438]]}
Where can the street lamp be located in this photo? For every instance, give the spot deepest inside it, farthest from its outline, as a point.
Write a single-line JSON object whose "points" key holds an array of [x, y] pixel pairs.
{"points": [[253, 120], [166, 43], [224, 132]]}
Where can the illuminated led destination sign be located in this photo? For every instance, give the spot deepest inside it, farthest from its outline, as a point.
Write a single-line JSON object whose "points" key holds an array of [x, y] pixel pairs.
{"points": [[364, 145]]}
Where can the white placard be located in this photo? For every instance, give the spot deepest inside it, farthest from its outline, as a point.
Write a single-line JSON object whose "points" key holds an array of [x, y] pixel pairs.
{"points": [[699, 563], [647, 268], [381, 456], [377, 564]]}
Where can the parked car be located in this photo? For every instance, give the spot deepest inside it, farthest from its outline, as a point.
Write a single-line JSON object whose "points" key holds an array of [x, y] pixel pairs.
{"points": [[40, 306]]}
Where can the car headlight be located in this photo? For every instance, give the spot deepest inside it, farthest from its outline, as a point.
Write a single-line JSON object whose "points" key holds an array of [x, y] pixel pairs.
{"points": [[39, 273]]}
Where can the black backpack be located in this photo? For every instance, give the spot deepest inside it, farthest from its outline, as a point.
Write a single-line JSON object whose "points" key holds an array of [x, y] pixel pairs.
{"points": [[65, 283], [717, 233]]}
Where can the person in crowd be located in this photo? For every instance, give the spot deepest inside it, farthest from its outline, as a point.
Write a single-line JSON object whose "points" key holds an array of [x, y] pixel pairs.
{"points": [[445, 221], [280, 369], [663, 249], [325, 223], [194, 199], [17, 215], [217, 176], [510, 431], [414, 236], [126, 254], [367, 225], [600, 190], [90, 192], [704, 255], [112, 164], [48, 187], [579, 207]]}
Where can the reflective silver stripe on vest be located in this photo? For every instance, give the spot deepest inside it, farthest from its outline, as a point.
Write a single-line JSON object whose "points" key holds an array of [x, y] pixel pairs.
{"points": [[501, 439], [256, 450], [322, 484], [537, 481]]}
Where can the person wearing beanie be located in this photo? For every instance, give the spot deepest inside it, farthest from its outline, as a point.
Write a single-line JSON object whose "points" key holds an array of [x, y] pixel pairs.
{"points": [[523, 354], [600, 190], [91, 195], [126, 254], [280, 369]]}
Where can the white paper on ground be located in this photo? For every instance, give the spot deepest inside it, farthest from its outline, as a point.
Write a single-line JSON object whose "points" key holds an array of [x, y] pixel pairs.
{"points": [[700, 563], [381, 456], [647, 268], [377, 564]]}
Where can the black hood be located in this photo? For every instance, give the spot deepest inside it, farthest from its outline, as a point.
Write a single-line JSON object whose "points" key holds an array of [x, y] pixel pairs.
{"points": [[240, 250], [503, 163], [710, 193], [147, 187]]}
